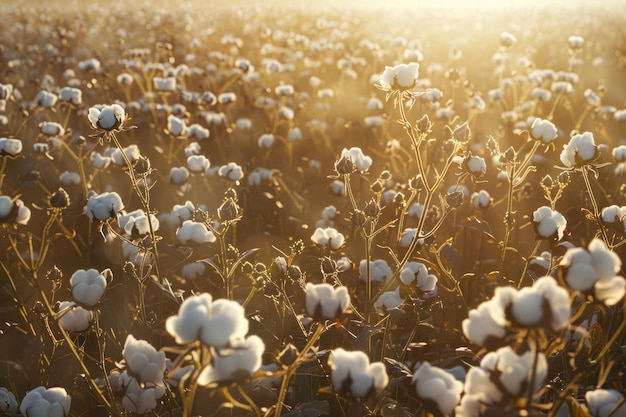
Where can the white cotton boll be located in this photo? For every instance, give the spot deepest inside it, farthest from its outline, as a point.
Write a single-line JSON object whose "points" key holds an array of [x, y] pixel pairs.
{"points": [[436, 384], [328, 237], [580, 277], [165, 84], [132, 154], [193, 270], [238, 363], [88, 286], [486, 321], [144, 360], [528, 307], [182, 212], [46, 402], [194, 232], [388, 300], [399, 77], [46, 99], [613, 214], [178, 175], [231, 172], [515, 370], [605, 262], [610, 291], [480, 200], [69, 178], [543, 130], [99, 161], [192, 149], [603, 403], [558, 299], [407, 237], [192, 315], [197, 131], [243, 124], [373, 121], [226, 322], [284, 90], [415, 210], [198, 163], [51, 129], [324, 302], [286, 113], [358, 158], [11, 147], [580, 149], [176, 126], [266, 141], [295, 134], [475, 165], [73, 318], [379, 270], [355, 365], [139, 398], [8, 402], [102, 206]]}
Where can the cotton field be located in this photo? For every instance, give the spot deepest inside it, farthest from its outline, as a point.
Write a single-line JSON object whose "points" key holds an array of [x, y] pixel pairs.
{"points": [[293, 209]]}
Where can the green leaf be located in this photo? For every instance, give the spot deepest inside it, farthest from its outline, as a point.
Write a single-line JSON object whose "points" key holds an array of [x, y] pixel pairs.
{"points": [[475, 223]]}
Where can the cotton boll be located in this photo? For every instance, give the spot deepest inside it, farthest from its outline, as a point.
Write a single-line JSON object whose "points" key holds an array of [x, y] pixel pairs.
{"points": [[73, 318], [194, 232], [605, 262], [239, 362], [437, 385], [328, 237], [88, 286], [388, 300], [364, 377], [48, 402], [102, 206], [193, 270], [324, 302], [603, 403], [528, 307], [379, 270], [144, 360], [139, 398]]}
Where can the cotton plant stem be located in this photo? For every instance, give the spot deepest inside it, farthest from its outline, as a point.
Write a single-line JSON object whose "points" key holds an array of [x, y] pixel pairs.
{"points": [[20, 305], [594, 203], [145, 202], [282, 393], [525, 270]]}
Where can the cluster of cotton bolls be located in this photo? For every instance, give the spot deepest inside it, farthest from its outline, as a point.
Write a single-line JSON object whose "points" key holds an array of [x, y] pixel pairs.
{"points": [[88, 287], [220, 325]]}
